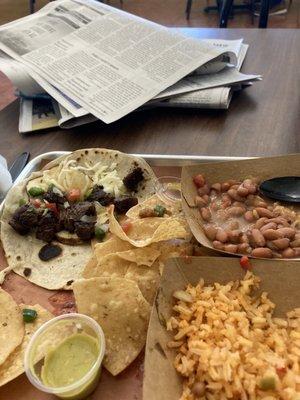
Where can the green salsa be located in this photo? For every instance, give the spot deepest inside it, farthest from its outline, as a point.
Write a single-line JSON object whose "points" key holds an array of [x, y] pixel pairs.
{"points": [[70, 361]]}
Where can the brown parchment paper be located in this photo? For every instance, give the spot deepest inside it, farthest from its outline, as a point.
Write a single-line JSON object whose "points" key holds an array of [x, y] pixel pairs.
{"points": [[262, 168], [280, 279]]}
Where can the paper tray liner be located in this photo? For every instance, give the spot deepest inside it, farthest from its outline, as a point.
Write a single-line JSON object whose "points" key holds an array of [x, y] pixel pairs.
{"points": [[262, 168], [280, 279]]}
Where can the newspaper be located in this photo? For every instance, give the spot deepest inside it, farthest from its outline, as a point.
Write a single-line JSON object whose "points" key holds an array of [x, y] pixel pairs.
{"points": [[107, 61], [217, 98], [37, 114], [24, 81]]}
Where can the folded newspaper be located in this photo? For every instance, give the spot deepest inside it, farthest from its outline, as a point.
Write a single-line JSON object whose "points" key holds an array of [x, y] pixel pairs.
{"points": [[99, 62]]}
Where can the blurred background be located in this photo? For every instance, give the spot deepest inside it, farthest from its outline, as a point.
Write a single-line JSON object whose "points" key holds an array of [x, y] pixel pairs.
{"points": [[283, 13]]}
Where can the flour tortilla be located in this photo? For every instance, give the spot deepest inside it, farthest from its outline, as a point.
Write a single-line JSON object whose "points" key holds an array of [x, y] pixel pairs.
{"points": [[13, 366], [125, 163], [11, 325], [119, 307], [22, 251]]}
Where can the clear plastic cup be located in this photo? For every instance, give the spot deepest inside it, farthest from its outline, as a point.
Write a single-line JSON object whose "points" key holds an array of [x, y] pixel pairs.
{"points": [[47, 338], [168, 188]]}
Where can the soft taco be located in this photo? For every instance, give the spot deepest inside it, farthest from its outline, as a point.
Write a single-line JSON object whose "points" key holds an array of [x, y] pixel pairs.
{"points": [[49, 220]]}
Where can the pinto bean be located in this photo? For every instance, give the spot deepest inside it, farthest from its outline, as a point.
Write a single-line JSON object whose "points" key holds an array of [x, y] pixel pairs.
{"points": [[233, 182], [235, 186], [200, 202], [295, 243], [288, 253], [260, 203], [242, 191], [297, 251], [231, 248], [249, 217], [264, 212], [234, 236], [239, 204], [233, 225], [221, 235], [205, 214], [287, 232], [250, 199], [258, 238], [270, 225], [218, 245], [216, 187], [236, 211], [234, 195], [250, 185], [260, 222], [271, 234], [244, 248], [280, 220], [203, 190], [210, 231], [282, 243], [262, 252], [225, 186]]}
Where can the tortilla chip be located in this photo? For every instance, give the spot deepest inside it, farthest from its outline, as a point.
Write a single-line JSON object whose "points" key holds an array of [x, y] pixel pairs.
{"points": [[13, 366], [112, 245], [140, 256], [112, 265], [119, 307], [146, 278], [148, 230], [174, 248], [133, 212], [11, 325]]}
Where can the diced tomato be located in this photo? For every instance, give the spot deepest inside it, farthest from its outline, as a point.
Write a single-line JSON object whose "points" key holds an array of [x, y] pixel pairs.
{"points": [[74, 195], [245, 262], [52, 207], [126, 226], [281, 371], [36, 203], [199, 180]]}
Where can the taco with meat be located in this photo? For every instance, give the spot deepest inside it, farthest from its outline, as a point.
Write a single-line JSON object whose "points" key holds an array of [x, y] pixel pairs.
{"points": [[50, 219]]}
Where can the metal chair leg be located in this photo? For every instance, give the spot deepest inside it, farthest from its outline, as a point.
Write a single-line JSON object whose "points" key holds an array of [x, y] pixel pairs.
{"points": [[31, 6], [225, 11], [188, 8], [264, 14]]}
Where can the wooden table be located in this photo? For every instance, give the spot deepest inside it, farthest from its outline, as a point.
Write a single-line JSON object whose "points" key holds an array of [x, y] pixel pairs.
{"points": [[262, 120]]}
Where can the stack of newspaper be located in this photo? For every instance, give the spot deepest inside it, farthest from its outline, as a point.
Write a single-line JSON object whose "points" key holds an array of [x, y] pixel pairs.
{"points": [[76, 61]]}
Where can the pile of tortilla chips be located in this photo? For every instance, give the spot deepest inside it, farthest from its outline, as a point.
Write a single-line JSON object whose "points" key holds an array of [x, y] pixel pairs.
{"points": [[15, 335], [121, 279]]}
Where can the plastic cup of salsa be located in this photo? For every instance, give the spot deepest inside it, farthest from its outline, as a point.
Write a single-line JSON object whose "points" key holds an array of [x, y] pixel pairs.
{"points": [[64, 356], [168, 188]]}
